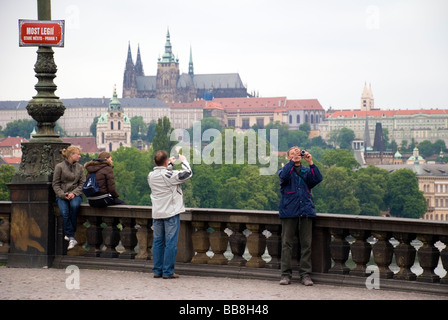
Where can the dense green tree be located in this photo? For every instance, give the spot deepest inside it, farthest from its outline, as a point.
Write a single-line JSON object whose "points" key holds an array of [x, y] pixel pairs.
{"points": [[369, 193], [19, 128], [162, 140], [6, 172], [338, 188], [305, 127], [425, 148], [151, 133], [345, 138], [205, 189], [403, 196], [339, 157], [131, 168], [138, 128], [439, 145], [93, 126]]}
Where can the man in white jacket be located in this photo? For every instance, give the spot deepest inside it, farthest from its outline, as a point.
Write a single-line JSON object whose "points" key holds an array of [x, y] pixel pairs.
{"points": [[167, 202]]}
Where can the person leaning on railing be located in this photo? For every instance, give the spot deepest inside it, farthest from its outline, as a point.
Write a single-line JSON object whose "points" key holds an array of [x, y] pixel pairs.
{"points": [[295, 212]]}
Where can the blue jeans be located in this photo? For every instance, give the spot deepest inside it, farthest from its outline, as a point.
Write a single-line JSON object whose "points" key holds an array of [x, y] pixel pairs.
{"points": [[164, 246], [69, 212]]}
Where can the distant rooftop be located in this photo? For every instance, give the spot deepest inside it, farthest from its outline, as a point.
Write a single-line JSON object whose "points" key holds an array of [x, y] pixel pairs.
{"points": [[91, 102]]}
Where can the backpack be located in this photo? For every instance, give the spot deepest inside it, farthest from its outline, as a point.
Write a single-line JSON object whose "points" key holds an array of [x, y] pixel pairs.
{"points": [[90, 187]]}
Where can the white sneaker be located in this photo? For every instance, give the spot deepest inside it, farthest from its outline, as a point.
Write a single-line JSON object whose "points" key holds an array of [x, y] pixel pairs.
{"points": [[72, 244], [66, 238]]}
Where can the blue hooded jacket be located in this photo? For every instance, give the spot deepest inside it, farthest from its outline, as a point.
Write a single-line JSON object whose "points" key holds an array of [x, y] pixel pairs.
{"points": [[296, 190]]}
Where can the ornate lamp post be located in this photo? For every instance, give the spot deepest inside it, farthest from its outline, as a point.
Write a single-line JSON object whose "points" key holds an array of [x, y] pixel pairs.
{"points": [[32, 198]]}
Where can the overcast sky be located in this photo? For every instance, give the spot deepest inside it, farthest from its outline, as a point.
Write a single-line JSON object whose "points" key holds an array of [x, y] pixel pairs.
{"points": [[323, 49]]}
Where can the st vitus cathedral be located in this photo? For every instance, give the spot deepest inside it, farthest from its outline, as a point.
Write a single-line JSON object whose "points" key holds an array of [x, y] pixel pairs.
{"points": [[170, 86]]}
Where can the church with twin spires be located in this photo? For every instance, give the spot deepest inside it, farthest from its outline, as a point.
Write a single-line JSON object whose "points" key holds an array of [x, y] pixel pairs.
{"points": [[169, 86]]}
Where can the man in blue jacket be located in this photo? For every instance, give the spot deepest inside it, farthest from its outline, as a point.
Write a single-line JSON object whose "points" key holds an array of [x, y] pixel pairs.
{"points": [[296, 210]]}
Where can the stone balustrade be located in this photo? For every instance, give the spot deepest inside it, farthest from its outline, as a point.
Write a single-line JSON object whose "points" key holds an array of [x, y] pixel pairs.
{"points": [[410, 250]]}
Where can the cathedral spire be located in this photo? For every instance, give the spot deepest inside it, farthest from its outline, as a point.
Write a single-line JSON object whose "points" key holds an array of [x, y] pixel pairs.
{"points": [[168, 56], [129, 58], [190, 65], [139, 64]]}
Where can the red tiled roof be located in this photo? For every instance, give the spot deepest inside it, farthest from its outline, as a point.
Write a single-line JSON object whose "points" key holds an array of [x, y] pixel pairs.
{"points": [[382, 113], [14, 142], [12, 160], [213, 105], [272, 104], [251, 104], [247, 105], [87, 144], [303, 104]]}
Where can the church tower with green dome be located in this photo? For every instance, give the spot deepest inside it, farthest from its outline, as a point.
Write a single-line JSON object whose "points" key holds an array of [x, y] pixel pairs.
{"points": [[113, 129]]}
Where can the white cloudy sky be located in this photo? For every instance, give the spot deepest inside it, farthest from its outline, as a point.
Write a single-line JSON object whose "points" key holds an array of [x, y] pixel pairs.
{"points": [[323, 49]]}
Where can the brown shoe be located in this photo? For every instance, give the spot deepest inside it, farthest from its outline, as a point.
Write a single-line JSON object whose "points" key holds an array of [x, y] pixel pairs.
{"points": [[306, 281], [173, 276], [157, 276]]}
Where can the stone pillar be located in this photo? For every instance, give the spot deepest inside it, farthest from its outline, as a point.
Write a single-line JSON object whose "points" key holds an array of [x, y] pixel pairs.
{"points": [[237, 242], [201, 242], [428, 257], [32, 197], [218, 243], [32, 226], [361, 250], [405, 256], [382, 253], [256, 244], [339, 249]]}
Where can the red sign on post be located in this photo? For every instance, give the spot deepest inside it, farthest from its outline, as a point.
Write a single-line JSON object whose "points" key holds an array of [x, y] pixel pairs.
{"points": [[41, 33]]}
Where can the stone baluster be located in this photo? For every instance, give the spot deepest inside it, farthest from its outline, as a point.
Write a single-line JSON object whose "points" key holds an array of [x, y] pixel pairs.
{"points": [[405, 256], [94, 236], [361, 250], [339, 250], [111, 237], [237, 242], [128, 238], [144, 239], [256, 244], [201, 243], [382, 253], [444, 258], [274, 245], [428, 257], [218, 243]]}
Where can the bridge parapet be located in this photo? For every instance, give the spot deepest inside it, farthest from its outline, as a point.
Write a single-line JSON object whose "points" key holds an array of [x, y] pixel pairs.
{"points": [[407, 253]]}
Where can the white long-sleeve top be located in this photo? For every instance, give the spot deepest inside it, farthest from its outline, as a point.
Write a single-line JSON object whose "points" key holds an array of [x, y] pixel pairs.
{"points": [[166, 192]]}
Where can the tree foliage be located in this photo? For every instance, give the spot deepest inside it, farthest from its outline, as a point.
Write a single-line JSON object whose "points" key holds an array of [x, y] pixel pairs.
{"points": [[6, 172], [236, 184]]}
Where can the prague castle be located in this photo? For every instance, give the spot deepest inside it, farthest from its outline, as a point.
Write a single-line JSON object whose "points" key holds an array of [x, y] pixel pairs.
{"points": [[169, 86]]}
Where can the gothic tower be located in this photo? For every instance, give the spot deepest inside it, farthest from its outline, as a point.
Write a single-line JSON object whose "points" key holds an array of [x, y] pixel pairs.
{"points": [[367, 98], [190, 65], [138, 64], [167, 74], [129, 78]]}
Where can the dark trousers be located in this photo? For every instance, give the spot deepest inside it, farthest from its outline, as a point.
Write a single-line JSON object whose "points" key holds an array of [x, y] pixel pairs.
{"points": [[304, 227]]}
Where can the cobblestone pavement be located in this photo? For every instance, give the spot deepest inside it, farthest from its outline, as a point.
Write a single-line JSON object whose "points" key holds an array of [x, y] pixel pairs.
{"points": [[49, 284]]}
